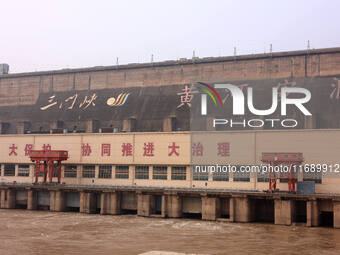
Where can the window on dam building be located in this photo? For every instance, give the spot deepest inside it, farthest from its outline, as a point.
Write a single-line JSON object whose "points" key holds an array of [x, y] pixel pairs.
{"points": [[24, 170], [312, 176], [89, 171], [142, 172], [241, 176], [178, 173], [9, 170], [160, 173], [262, 176], [105, 172], [201, 174], [221, 176], [122, 172], [70, 171]]}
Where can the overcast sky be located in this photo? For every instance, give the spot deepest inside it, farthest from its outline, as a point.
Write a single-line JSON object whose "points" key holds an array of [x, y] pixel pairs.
{"points": [[43, 34]]}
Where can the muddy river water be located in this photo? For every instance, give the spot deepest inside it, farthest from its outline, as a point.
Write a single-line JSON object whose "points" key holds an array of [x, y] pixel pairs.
{"points": [[43, 232]]}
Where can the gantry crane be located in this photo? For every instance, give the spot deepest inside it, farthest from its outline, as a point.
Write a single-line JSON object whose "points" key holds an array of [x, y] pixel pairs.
{"points": [[44, 162], [289, 159]]}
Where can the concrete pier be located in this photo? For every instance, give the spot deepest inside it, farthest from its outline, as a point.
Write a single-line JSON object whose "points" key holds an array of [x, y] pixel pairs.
{"points": [[210, 208], [174, 206], [336, 211], [8, 199], [242, 209], [88, 202], [143, 204], [313, 213], [232, 209], [32, 200], [164, 206], [110, 203], [283, 211], [57, 201]]}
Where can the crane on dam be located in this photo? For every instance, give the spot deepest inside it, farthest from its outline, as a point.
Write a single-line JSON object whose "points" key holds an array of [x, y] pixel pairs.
{"points": [[44, 163]]}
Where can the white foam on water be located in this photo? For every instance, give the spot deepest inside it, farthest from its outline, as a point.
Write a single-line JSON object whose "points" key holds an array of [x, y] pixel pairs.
{"points": [[180, 224]]}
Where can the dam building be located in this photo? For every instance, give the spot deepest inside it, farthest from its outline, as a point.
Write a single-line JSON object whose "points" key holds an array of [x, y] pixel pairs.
{"points": [[134, 139]]}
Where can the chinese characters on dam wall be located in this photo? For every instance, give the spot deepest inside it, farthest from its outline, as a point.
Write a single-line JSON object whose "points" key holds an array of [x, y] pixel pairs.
{"points": [[185, 94], [197, 149], [149, 106], [155, 97]]}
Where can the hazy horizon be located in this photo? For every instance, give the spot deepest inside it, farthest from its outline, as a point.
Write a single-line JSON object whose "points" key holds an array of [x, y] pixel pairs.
{"points": [[39, 35]]}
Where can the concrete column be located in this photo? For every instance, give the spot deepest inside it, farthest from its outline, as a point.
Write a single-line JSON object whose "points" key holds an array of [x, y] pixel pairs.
{"points": [[174, 206], [60, 201], [2, 202], [104, 203], [310, 122], [23, 127], [167, 125], [242, 209], [129, 125], [313, 213], [57, 201], [88, 202], [211, 209], [143, 205], [52, 200], [7, 199], [232, 209], [32, 200], [115, 203], [170, 124], [164, 206], [283, 211], [11, 199], [92, 126], [110, 203], [336, 214]]}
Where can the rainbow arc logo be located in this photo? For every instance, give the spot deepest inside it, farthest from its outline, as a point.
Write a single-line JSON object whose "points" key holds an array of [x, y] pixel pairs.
{"points": [[211, 92]]}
